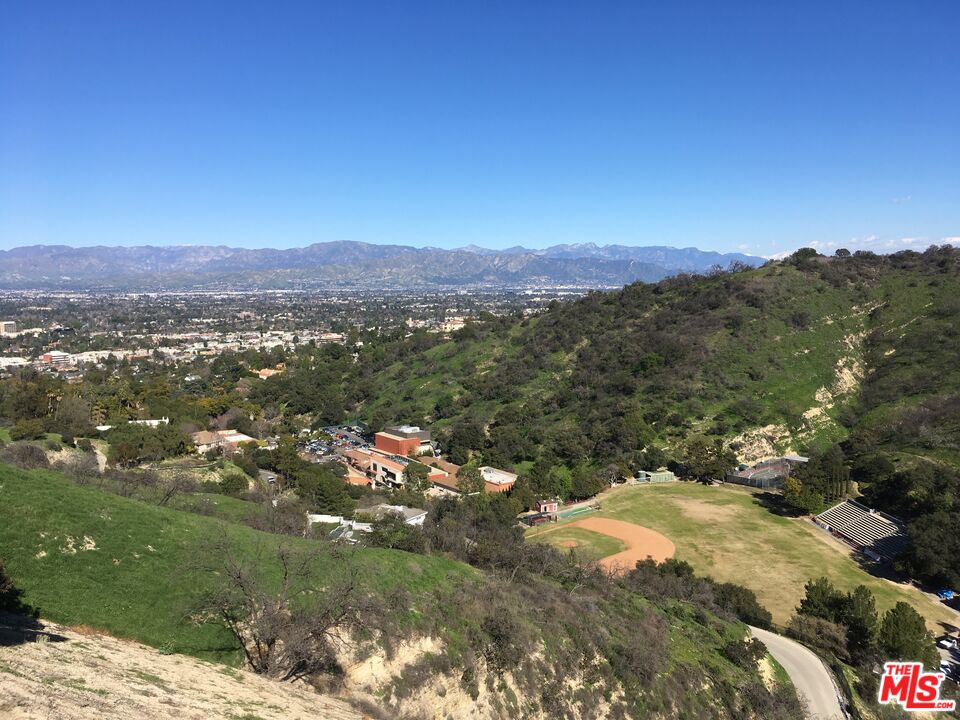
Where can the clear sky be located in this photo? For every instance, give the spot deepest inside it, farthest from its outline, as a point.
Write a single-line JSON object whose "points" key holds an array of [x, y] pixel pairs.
{"points": [[760, 126]]}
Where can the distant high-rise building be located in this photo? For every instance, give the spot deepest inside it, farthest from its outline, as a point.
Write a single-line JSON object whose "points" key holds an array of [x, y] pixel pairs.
{"points": [[8, 327]]}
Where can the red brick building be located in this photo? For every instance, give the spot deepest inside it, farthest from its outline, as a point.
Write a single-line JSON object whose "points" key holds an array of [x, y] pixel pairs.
{"points": [[402, 440], [394, 444]]}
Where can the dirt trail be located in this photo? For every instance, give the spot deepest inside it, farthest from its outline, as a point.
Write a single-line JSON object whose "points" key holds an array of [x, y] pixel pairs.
{"points": [[78, 676], [641, 542]]}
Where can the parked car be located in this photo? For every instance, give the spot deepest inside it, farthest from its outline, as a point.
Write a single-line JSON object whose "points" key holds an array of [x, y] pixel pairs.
{"points": [[948, 643], [945, 594]]}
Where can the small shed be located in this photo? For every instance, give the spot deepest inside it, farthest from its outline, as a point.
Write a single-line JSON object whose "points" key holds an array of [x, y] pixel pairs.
{"points": [[655, 476], [547, 506]]}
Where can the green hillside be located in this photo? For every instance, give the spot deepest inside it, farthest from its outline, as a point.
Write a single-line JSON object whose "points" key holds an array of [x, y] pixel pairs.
{"points": [[136, 576], [789, 345], [85, 557]]}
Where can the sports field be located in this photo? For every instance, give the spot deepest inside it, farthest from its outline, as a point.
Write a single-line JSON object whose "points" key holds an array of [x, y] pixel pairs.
{"points": [[636, 542], [724, 532], [587, 545]]}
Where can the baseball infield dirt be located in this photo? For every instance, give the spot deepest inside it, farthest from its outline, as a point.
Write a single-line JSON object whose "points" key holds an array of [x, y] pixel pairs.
{"points": [[641, 542]]}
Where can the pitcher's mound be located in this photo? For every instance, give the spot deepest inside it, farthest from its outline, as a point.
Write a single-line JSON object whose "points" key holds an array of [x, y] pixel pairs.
{"points": [[641, 542], [569, 543]]}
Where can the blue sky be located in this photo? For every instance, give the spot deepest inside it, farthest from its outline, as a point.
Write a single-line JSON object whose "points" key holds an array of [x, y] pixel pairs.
{"points": [[753, 126]]}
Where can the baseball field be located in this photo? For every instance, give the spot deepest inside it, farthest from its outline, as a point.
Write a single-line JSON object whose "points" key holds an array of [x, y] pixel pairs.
{"points": [[726, 533]]}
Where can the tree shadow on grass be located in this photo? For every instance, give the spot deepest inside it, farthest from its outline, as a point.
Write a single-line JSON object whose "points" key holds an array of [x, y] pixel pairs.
{"points": [[774, 502], [19, 629]]}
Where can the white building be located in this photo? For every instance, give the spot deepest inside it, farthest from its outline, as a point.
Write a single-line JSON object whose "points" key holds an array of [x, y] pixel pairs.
{"points": [[56, 358], [410, 515], [497, 477]]}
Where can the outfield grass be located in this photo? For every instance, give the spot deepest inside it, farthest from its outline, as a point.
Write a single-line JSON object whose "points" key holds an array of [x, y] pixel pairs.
{"points": [[586, 544], [136, 579], [724, 532]]}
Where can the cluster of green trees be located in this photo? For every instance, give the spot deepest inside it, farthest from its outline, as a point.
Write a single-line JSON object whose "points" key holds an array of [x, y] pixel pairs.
{"points": [[614, 376], [849, 626], [320, 486], [925, 493], [822, 481], [131, 444]]}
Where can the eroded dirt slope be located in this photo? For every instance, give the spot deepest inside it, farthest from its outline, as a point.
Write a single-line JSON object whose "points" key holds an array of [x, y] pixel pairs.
{"points": [[61, 673]]}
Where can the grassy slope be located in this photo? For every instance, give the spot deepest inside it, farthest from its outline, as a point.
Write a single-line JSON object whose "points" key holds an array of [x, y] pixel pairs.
{"points": [[725, 533], [133, 584], [124, 586]]}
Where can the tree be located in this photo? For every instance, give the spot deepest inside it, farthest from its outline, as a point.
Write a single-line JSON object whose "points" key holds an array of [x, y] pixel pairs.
{"points": [[470, 481], [934, 553], [391, 531], [27, 456], [743, 603], [797, 495], [322, 490], [72, 418], [11, 597], [27, 430], [465, 436], [523, 494], [819, 633], [822, 600], [177, 481], [415, 476], [233, 484], [860, 617], [706, 461], [585, 483], [904, 636], [287, 627]]}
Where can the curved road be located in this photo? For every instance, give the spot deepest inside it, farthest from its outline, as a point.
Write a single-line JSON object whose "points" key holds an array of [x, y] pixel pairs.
{"points": [[811, 679]]}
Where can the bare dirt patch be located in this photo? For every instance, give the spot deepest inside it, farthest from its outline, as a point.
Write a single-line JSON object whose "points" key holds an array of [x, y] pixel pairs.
{"points": [[569, 544], [86, 675], [641, 542], [705, 511]]}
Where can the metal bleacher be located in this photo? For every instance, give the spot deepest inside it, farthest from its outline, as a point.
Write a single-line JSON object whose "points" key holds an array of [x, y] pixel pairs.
{"points": [[868, 529]]}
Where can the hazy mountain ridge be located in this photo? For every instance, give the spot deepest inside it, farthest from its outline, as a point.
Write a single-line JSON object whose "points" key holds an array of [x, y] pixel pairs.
{"points": [[346, 263]]}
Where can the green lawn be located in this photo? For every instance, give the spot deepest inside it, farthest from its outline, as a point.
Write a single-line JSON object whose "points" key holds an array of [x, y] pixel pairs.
{"points": [[725, 533], [135, 580], [586, 544]]}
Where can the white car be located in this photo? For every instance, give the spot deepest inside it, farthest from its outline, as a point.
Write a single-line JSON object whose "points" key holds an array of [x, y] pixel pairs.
{"points": [[948, 643]]}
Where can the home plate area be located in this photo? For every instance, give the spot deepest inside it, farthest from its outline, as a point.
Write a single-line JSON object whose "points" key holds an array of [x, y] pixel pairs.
{"points": [[641, 542]]}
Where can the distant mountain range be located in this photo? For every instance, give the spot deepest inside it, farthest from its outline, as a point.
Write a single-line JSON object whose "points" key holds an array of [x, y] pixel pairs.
{"points": [[345, 264]]}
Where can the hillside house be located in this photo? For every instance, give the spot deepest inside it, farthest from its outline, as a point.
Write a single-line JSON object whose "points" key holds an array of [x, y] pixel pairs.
{"points": [[226, 441]]}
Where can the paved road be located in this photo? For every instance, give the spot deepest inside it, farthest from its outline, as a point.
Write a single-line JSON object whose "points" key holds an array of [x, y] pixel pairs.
{"points": [[810, 677]]}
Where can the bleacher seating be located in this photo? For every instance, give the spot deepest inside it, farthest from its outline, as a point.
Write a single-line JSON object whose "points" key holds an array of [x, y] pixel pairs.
{"points": [[868, 529]]}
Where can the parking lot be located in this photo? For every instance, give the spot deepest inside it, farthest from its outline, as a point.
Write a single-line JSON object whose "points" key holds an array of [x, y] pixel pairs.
{"points": [[343, 437], [949, 649]]}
